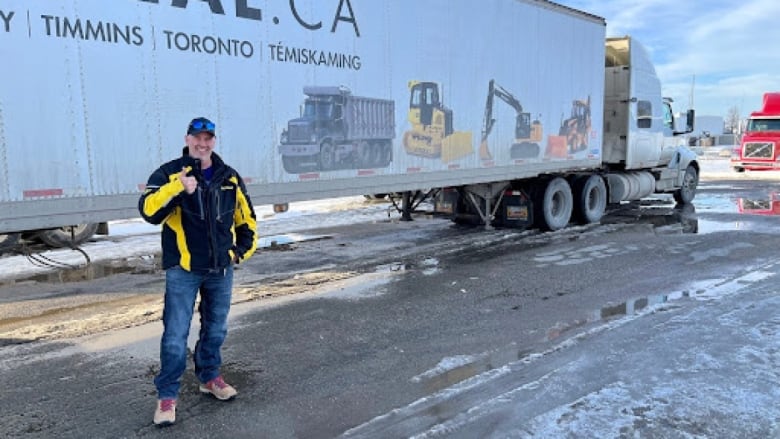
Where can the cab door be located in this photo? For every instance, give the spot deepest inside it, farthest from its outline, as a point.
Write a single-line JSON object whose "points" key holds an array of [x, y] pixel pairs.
{"points": [[645, 125]]}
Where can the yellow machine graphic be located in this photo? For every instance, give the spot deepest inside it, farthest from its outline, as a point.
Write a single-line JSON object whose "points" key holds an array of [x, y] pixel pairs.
{"points": [[432, 133], [527, 134], [576, 128]]}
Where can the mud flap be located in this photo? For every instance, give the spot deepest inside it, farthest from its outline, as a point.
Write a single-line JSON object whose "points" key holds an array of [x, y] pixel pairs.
{"points": [[446, 203], [515, 211]]}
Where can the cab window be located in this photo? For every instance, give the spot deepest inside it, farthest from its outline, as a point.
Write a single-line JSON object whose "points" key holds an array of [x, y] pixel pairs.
{"points": [[668, 117], [644, 114]]}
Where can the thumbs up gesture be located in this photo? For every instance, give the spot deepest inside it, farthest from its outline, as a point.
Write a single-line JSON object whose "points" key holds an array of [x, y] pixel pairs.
{"points": [[189, 182]]}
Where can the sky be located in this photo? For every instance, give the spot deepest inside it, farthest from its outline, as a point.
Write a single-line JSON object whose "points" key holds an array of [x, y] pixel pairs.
{"points": [[727, 51]]}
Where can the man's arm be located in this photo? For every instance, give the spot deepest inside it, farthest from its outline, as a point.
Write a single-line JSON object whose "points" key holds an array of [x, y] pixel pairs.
{"points": [[245, 222], [160, 196]]}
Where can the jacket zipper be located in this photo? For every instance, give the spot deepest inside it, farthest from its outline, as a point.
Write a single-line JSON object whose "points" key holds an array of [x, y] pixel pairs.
{"points": [[200, 203], [211, 227]]}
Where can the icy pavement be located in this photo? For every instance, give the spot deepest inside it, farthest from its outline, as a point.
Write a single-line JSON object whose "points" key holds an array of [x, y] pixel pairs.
{"points": [[701, 363]]}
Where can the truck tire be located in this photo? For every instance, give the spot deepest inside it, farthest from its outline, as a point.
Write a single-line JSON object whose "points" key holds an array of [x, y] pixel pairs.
{"points": [[553, 204], [363, 154], [68, 236], [376, 155], [8, 241], [385, 154], [590, 199], [685, 194], [292, 164]]}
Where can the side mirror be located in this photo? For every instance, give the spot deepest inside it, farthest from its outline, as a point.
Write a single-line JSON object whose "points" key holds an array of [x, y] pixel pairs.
{"points": [[690, 118]]}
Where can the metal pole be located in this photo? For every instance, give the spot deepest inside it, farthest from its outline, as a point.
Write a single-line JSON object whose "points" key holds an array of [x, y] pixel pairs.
{"points": [[406, 206]]}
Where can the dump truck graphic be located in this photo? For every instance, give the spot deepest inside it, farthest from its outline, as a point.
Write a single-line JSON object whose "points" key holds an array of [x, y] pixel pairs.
{"points": [[337, 130]]}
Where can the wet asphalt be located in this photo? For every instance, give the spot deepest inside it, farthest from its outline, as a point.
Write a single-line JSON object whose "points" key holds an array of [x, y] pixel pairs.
{"points": [[326, 362]]}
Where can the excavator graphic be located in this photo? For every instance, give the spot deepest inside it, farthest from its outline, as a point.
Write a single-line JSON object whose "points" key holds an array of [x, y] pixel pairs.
{"points": [[577, 127], [527, 134], [432, 133]]}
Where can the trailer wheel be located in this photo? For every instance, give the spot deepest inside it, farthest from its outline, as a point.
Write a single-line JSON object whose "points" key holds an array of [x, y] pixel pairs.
{"points": [[8, 241], [68, 236], [738, 169], [553, 204], [327, 156], [686, 193], [590, 199]]}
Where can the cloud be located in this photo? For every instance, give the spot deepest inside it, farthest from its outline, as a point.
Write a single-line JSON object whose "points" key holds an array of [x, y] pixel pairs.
{"points": [[730, 47]]}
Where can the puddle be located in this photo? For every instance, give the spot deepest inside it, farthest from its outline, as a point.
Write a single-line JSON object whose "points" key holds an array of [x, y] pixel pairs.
{"points": [[430, 266], [764, 206], [90, 272], [391, 267], [453, 370], [702, 217], [665, 217], [427, 266], [284, 241], [135, 265], [363, 286], [456, 369]]}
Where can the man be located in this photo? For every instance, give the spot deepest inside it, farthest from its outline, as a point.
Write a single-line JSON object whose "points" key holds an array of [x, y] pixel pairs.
{"points": [[208, 225]]}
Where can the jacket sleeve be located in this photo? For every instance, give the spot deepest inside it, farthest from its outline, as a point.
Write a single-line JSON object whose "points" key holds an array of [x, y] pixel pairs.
{"points": [[245, 222], [160, 197]]}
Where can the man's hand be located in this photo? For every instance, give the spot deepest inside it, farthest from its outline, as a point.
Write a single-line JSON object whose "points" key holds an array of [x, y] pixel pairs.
{"points": [[189, 182]]}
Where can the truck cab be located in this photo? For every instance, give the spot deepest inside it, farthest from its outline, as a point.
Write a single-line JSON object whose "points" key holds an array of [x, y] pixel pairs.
{"points": [[321, 116], [639, 123], [758, 148], [640, 139]]}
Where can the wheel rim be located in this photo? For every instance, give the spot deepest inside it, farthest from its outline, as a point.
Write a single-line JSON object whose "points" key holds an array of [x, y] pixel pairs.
{"points": [[690, 182]]}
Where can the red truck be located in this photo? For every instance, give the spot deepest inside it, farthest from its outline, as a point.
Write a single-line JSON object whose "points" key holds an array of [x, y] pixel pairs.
{"points": [[758, 150]]}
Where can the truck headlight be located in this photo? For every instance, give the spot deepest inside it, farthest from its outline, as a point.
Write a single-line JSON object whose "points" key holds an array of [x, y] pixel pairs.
{"points": [[313, 138]]}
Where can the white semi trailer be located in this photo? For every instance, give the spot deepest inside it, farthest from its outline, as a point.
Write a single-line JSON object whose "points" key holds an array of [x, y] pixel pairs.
{"points": [[97, 94]]}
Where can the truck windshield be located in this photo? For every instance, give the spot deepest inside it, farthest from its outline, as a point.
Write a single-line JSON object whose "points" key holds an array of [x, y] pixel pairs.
{"points": [[319, 110], [758, 125]]}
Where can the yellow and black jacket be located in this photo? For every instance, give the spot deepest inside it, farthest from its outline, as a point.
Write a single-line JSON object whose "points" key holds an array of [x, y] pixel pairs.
{"points": [[204, 230]]}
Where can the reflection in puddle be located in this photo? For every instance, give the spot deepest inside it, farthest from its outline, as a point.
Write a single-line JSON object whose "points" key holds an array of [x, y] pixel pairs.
{"points": [[453, 370], [430, 266], [391, 267], [668, 218], [139, 264], [768, 206], [663, 215], [147, 264]]}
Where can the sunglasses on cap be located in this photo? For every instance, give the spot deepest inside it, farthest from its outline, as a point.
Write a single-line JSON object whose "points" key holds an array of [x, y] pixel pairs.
{"points": [[202, 125]]}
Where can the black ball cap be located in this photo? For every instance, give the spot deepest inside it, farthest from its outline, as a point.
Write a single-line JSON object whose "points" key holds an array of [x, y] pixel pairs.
{"points": [[201, 125]]}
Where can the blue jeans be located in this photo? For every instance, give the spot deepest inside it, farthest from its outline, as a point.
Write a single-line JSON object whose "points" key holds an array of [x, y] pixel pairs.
{"points": [[181, 289]]}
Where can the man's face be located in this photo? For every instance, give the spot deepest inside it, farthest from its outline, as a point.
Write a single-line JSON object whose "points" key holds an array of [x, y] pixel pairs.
{"points": [[200, 145]]}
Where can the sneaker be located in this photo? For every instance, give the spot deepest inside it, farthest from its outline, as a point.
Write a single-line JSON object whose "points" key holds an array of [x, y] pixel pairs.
{"points": [[219, 388], [165, 413]]}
